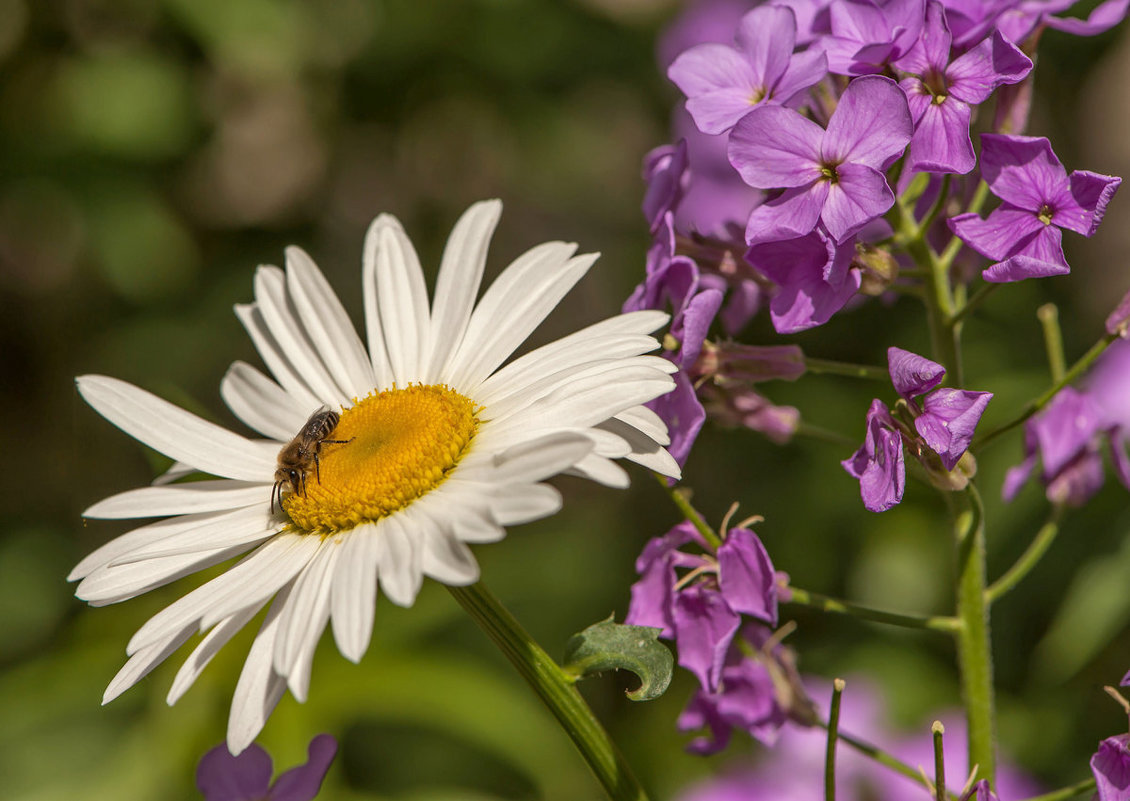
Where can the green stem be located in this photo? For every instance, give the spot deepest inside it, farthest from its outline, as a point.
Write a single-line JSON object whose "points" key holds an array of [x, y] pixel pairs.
{"points": [[826, 604], [980, 195], [830, 367], [1048, 315], [939, 762], [1028, 560], [811, 431], [970, 305], [881, 757], [1085, 787], [680, 497], [974, 656], [833, 733], [556, 690], [1034, 406]]}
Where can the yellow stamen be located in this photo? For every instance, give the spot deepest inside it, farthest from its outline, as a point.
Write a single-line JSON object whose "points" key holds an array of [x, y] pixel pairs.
{"points": [[402, 443]]}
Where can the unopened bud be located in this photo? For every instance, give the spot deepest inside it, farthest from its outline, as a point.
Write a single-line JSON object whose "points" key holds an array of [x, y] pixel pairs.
{"points": [[878, 268], [731, 362]]}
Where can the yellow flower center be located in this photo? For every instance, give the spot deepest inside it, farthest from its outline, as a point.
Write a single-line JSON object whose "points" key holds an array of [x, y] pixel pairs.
{"points": [[400, 445]]}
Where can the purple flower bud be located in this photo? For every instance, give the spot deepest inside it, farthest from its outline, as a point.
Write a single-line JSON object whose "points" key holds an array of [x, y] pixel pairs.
{"points": [[665, 171]]}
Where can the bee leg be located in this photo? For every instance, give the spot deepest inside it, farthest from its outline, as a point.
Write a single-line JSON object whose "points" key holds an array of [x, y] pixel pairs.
{"points": [[317, 466]]}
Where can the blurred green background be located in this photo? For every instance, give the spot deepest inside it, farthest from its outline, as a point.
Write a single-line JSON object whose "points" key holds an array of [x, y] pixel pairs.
{"points": [[152, 152]]}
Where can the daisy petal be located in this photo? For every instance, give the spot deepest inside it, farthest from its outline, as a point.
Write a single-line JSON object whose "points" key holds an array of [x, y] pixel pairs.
{"points": [[457, 286], [143, 661], [259, 688], [216, 639], [273, 356], [273, 302], [398, 562], [602, 471], [174, 432], [515, 504], [242, 527], [197, 496], [302, 620], [261, 403], [325, 321], [354, 593], [401, 299]]}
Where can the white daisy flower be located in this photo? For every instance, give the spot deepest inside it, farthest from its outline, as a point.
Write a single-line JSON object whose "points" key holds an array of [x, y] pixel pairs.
{"points": [[438, 445]]}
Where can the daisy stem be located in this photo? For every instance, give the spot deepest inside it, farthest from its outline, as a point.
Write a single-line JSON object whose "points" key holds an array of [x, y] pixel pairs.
{"points": [[1034, 406], [826, 604], [831, 367], [974, 654], [556, 690], [1031, 556]]}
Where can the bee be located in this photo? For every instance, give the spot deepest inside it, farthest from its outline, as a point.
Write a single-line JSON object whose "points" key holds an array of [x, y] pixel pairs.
{"points": [[297, 455]]}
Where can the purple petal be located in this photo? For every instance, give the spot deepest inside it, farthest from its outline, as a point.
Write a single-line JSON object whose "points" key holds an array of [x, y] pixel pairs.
{"points": [[791, 215], [665, 170], [719, 83], [1118, 457], [223, 777], [1118, 321], [1065, 428], [973, 76], [746, 577], [805, 69], [651, 596], [949, 420], [1039, 257], [1091, 192], [859, 196], [748, 700], [742, 302], [941, 140], [702, 712], [1111, 766], [766, 36], [804, 297], [871, 124], [774, 146], [302, 783], [683, 414], [981, 792], [997, 236], [1104, 17], [1079, 481], [1015, 477], [932, 50], [1022, 170], [697, 317], [878, 464], [912, 374], [704, 626]]}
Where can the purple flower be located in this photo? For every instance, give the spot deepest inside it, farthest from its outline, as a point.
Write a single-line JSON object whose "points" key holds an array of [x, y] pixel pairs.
{"points": [[1111, 766], [833, 176], [748, 701], [703, 611], [878, 464], [981, 792], [665, 172], [942, 93], [1022, 19], [722, 83], [702, 21], [869, 34], [947, 418], [814, 279], [682, 411], [247, 777], [1066, 437], [1023, 234]]}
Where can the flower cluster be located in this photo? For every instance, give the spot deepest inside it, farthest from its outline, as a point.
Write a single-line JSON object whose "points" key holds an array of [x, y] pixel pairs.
{"points": [[937, 430], [698, 599], [803, 123]]}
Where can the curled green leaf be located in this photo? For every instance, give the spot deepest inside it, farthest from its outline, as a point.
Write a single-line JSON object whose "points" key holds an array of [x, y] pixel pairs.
{"points": [[613, 646]]}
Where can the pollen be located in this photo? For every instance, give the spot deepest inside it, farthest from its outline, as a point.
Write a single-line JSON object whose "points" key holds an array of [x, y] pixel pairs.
{"points": [[399, 445]]}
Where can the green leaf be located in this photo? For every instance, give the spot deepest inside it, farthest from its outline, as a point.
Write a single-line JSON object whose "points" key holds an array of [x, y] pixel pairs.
{"points": [[611, 646]]}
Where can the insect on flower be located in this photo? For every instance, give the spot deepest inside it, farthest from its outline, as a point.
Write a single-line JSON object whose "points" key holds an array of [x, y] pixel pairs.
{"points": [[297, 455]]}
